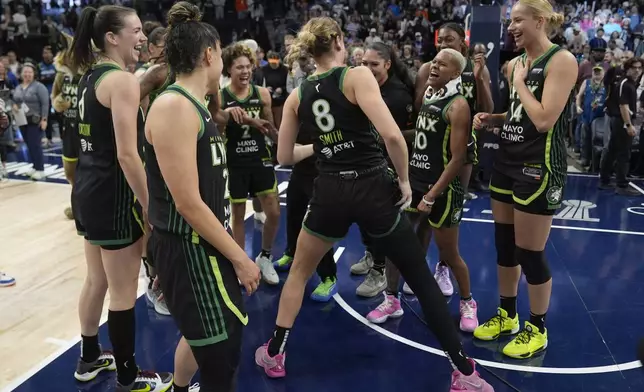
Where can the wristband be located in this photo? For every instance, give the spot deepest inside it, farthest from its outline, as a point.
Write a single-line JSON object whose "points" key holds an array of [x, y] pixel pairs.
{"points": [[428, 203]]}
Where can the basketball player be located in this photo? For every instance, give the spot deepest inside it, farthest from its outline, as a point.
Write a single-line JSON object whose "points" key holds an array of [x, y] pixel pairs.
{"points": [[442, 130], [475, 82], [344, 108], [529, 173], [110, 192], [156, 44], [397, 89], [249, 157], [197, 259], [64, 99]]}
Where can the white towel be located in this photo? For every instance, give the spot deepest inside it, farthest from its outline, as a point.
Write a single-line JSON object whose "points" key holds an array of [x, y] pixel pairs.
{"points": [[452, 88]]}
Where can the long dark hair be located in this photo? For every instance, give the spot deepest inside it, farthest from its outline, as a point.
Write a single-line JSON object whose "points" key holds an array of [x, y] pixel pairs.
{"points": [[92, 27], [398, 68]]}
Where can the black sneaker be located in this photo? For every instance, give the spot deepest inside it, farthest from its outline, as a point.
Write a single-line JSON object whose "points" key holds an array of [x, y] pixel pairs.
{"points": [[604, 186], [87, 371], [148, 382], [627, 191]]}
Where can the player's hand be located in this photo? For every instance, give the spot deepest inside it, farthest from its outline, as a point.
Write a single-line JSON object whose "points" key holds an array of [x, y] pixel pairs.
{"points": [[264, 126], [481, 120], [479, 65], [631, 130], [424, 208], [237, 114], [248, 274], [405, 190], [521, 70]]}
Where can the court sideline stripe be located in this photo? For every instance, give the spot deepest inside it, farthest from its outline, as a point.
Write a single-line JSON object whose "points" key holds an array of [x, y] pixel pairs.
{"points": [[18, 381], [498, 365]]}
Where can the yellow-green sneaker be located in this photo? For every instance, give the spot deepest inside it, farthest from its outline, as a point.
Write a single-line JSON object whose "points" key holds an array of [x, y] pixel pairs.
{"points": [[284, 263], [527, 343], [498, 325], [325, 290]]}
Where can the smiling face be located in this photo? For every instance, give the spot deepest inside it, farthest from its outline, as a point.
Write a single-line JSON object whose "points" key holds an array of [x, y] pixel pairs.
{"points": [[443, 69], [129, 40], [241, 71], [448, 38], [525, 27], [378, 66]]}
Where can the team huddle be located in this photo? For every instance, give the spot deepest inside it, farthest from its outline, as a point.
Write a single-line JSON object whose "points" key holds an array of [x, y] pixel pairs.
{"points": [[164, 162]]}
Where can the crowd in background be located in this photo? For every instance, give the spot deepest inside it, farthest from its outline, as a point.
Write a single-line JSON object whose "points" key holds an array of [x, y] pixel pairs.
{"points": [[604, 33]]}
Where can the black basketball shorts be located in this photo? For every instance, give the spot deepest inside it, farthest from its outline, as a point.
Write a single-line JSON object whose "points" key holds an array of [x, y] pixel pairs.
{"points": [[200, 287], [447, 210], [339, 201], [256, 181], [71, 141], [121, 231], [530, 188]]}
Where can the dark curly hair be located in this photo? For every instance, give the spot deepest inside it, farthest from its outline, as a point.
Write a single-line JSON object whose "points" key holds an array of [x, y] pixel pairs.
{"points": [[187, 37], [232, 53]]}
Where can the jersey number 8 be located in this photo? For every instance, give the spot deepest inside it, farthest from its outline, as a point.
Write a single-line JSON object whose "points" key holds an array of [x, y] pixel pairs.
{"points": [[323, 117]]}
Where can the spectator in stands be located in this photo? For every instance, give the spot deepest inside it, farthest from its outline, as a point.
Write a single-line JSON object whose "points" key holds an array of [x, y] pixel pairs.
{"points": [[275, 75], [590, 105], [14, 65], [7, 78], [46, 76], [35, 97], [621, 106], [356, 56], [301, 69]]}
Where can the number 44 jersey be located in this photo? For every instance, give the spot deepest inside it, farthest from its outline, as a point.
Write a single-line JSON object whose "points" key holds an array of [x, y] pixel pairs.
{"points": [[344, 138]]}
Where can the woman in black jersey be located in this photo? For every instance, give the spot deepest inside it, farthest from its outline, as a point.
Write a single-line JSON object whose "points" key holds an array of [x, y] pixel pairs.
{"points": [[250, 160], [340, 104], [197, 259], [156, 44], [475, 84], [110, 192], [529, 173], [440, 145], [397, 89], [64, 100]]}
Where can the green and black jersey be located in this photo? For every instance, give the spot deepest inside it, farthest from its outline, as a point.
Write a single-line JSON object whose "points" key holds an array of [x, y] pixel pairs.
{"points": [[212, 171], [344, 138], [431, 153], [99, 176], [521, 145], [246, 145], [70, 94], [468, 86], [169, 79]]}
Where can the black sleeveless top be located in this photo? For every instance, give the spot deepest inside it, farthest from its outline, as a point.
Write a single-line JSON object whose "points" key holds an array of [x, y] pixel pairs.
{"points": [[468, 86], [246, 145], [344, 138], [70, 94], [212, 171], [99, 176], [520, 144], [431, 152]]}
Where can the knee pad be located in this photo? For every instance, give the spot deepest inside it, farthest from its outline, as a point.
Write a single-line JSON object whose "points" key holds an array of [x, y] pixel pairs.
{"points": [[534, 265], [505, 248]]}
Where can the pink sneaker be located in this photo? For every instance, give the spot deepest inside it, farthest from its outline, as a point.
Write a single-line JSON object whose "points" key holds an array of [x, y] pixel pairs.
{"points": [[390, 307], [469, 321], [473, 382], [273, 366]]}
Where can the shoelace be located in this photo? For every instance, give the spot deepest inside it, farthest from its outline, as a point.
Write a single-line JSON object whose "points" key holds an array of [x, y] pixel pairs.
{"points": [[525, 336], [146, 375], [493, 321], [443, 273], [468, 310], [194, 387], [385, 304]]}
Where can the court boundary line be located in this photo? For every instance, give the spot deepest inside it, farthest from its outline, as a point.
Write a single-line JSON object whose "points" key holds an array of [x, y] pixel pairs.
{"points": [[24, 377], [497, 365]]}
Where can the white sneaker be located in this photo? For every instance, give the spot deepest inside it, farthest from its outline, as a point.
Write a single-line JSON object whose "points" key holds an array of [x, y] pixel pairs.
{"points": [[407, 290], [260, 217], [4, 174], [38, 175], [363, 266], [194, 388], [443, 280], [265, 265]]}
